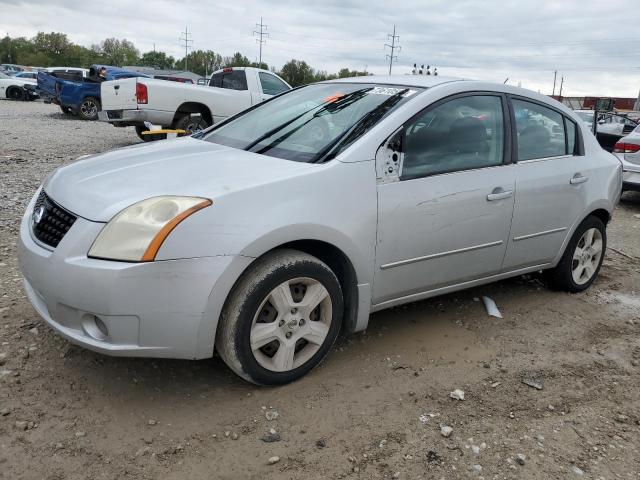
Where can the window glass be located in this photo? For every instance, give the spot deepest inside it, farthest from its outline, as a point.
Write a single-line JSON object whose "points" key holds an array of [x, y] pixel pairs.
{"points": [[312, 123], [571, 136], [540, 131], [272, 85], [233, 80], [461, 134]]}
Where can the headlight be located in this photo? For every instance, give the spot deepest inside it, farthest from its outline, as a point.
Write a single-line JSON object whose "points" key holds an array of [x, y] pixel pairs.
{"points": [[137, 232]]}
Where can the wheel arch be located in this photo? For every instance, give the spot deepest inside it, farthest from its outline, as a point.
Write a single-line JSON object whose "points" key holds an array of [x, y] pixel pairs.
{"points": [[601, 210], [187, 108], [353, 281]]}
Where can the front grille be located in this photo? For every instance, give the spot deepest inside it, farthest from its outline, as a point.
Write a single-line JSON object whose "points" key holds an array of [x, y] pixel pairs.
{"points": [[50, 222]]}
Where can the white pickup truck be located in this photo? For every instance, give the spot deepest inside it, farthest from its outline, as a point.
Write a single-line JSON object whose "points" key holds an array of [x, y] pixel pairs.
{"points": [[174, 105]]}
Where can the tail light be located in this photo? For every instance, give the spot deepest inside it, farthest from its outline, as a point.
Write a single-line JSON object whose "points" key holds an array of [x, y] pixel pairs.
{"points": [[622, 147], [141, 93]]}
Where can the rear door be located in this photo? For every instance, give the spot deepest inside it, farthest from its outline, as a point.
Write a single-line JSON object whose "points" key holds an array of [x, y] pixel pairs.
{"points": [[551, 177], [446, 221]]}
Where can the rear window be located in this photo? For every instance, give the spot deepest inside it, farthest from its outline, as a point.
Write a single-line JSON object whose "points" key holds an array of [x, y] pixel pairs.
{"points": [[233, 80]]}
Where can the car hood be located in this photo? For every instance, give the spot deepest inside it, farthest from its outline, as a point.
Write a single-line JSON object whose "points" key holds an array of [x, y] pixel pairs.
{"points": [[99, 186]]}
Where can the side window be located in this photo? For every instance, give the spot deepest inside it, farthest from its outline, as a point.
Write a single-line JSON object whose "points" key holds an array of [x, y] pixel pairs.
{"points": [[233, 80], [540, 131], [461, 134], [571, 136], [272, 85]]}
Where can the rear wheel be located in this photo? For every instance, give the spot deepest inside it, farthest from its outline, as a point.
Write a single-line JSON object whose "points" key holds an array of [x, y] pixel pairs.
{"points": [[281, 319], [15, 93], [191, 124], [582, 259], [89, 108]]}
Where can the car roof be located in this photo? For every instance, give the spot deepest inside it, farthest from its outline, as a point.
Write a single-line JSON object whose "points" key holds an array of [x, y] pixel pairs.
{"points": [[425, 81]]}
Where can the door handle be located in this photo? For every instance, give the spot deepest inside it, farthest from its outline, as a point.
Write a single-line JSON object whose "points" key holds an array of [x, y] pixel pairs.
{"points": [[499, 194], [578, 179]]}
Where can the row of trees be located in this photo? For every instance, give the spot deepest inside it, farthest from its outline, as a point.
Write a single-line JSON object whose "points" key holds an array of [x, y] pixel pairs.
{"points": [[55, 49]]}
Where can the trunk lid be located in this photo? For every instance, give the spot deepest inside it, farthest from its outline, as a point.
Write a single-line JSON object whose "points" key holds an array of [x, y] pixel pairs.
{"points": [[119, 94]]}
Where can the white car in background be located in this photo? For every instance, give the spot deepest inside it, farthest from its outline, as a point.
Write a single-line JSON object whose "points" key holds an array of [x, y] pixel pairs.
{"points": [[628, 151], [140, 102], [13, 88]]}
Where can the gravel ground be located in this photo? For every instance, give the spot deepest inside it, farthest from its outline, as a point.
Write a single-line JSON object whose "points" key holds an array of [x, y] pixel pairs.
{"points": [[374, 409]]}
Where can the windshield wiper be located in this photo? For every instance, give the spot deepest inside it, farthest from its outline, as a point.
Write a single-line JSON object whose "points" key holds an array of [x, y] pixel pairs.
{"points": [[323, 107], [360, 127]]}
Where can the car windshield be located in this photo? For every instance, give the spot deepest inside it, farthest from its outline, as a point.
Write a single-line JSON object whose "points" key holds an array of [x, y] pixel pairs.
{"points": [[313, 123]]}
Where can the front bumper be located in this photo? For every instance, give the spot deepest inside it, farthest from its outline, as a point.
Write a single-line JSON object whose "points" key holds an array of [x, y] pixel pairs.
{"points": [[155, 309], [136, 117]]}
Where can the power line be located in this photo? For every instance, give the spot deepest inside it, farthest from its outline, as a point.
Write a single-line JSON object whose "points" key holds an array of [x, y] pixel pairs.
{"points": [[393, 47], [186, 43], [261, 33]]}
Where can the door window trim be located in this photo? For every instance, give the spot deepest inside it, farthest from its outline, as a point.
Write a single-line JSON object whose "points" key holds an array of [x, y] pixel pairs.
{"points": [[578, 147], [507, 147]]}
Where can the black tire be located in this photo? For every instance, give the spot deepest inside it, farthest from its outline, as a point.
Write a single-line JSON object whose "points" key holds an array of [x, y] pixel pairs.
{"points": [[15, 93], [561, 277], [248, 296], [191, 124], [89, 108], [66, 110], [149, 138]]}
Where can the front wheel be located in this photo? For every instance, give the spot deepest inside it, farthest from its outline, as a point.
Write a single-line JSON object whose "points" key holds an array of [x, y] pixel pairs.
{"points": [[15, 93], [89, 108], [582, 259], [281, 319]]}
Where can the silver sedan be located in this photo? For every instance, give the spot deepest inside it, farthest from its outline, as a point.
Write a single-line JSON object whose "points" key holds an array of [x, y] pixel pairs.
{"points": [[628, 150], [266, 235]]}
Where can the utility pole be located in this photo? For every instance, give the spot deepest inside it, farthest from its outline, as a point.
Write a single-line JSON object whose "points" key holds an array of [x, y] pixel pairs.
{"points": [[393, 47], [186, 43], [561, 84], [555, 74], [260, 33]]}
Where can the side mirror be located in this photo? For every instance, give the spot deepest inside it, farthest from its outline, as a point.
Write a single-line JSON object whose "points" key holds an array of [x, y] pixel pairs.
{"points": [[601, 122]]}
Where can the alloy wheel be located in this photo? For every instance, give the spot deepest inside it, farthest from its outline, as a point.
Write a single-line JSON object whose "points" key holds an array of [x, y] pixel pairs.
{"points": [[586, 256]]}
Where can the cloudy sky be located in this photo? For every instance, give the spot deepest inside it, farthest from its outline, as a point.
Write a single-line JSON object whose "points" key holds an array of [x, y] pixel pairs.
{"points": [[593, 44]]}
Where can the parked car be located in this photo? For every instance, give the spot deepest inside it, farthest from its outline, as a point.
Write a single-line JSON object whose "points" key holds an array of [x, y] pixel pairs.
{"points": [[628, 151], [136, 102], [13, 88], [76, 92], [25, 74], [611, 127], [265, 235]]}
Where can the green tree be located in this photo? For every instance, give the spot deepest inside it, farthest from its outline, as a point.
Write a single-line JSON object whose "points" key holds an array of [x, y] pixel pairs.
{"points": [[117, 52], [297, 72], [158, 60], [202, 62], [236, 60], [52, 44]]}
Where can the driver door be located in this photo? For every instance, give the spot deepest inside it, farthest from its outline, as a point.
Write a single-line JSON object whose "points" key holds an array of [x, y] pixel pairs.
{"points": [[445, 219]]}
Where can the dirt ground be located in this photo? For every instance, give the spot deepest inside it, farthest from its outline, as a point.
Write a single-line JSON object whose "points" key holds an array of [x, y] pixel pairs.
{"points": [[373, 410]]}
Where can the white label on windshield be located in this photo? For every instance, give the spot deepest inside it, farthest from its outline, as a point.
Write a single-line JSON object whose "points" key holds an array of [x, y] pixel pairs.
{"points": [[389, 91]]}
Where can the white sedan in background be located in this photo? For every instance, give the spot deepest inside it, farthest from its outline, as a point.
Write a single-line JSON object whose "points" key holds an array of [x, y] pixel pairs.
{"points": [[267, 234], [12, 87]]}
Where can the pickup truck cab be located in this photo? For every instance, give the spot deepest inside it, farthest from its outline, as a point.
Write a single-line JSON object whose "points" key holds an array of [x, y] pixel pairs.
{"points": [[138, 102], [77, 92]]}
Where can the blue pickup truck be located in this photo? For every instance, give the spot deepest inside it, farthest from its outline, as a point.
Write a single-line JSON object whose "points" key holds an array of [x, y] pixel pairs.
{"points": [[77, 94]]}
